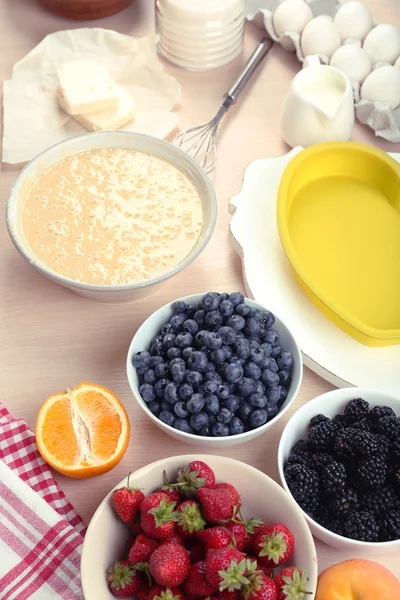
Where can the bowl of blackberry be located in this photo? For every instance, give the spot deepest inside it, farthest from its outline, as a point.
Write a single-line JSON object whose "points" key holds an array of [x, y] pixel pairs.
{"points": [[214, 369], [339, 457]]}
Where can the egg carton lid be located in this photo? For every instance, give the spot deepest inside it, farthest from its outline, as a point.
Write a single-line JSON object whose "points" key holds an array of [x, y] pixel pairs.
{"points": [[381, 118]]}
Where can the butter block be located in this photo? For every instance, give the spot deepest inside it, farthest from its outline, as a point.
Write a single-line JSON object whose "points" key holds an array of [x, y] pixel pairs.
{"points": [[105, 120], [86, 87]]}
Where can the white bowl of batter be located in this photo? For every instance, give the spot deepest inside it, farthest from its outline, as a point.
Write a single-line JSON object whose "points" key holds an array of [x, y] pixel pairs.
{"points": [[111, 214]]}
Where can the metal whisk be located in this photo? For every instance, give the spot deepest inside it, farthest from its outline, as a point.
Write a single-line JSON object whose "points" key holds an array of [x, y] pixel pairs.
{"points": [[200, 142]]}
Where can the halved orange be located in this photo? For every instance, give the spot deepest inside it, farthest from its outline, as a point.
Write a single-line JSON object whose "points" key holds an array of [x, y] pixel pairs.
{"points": [[82, 432]]}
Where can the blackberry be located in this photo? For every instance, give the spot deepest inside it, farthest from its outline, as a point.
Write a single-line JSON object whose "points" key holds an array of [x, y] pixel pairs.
{"points": [[329, 520], [365, 443], [383, 444], [356, 410], [304, 486], [333, 478], [371, 473], [320, 436], [343, 445], [301, 447], [344, 503], [395, 451], [395, 476], [340, 422], [381, 501], [319, 460], [390, 526], [388, 426], [317, 420], [363, 425], [361, 526], [295, 459], [380, 411]]}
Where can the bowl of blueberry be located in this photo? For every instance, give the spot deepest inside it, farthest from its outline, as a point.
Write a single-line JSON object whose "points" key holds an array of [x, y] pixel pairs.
{"points": [[214, 369], [339, 457]]}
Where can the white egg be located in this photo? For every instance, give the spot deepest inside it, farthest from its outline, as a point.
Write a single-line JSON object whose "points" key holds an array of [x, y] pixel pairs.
{"points": [[382, 44], [320, 36], [383, 85], [291, 15], [352, 61], [353, 20], [397, 63]]}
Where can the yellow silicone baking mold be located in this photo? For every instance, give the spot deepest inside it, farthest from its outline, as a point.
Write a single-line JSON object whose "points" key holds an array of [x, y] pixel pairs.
{"points": [[338, 211]]}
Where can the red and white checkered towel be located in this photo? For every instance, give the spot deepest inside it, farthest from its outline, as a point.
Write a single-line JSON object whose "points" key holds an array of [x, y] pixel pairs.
{"points": [[41, 535]]}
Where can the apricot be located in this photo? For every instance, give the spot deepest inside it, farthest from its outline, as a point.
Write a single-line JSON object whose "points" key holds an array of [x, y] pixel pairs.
{"points": [[357, 579]]}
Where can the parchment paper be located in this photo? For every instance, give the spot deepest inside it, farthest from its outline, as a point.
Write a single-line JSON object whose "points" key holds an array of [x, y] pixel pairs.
{"points": [[33, 120]]}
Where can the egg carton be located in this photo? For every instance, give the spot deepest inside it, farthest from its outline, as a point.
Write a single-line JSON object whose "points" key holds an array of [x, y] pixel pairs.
{"points": [[384, 121]]}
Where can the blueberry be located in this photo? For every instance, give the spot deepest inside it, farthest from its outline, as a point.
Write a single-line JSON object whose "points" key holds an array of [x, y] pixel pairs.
{"points": [[167, 328], [177, 321], [210, 301], [165, 406], [266, 348], [179, 306], [154, 407], [211, 404], [146, 390], [174, 352], [285, 377], [272, 410], [185, 391], [228, 352], [213, 341], [194, 378], [232, 403], [240, 334], [186, 352], [177, 361], [205, 432], [285, 361], [254, 342], [190, 326], [223, 296], [228, 334], [195, 404], [220, 368], [273, 366], [209, 387], [157, 338], [236, 298], [257, 355], [198, 361], [157, 349], [257, 401], [226, 308], [190, 311], [284, 394], [214, 319], [212, 420], [236, 426], [260, 387], [177, 372], [252, 326], [242, 348], [272, 337], [255, 313], [200, 317], [223, 391], [201, 336], [217, 356], [268, 319], [243, 310], [258, 418], [269, 378], [252, 370], [142, 370], [169, 340], [161, 371], [155, 360], [171, 393], [141, 359], [180, 409], [210, 368], [246, 387], [234, 372], [224, 415], [159, 387], [210, 376], [149, 376], [219, 430], [274, 394], [199, 421], [245, 410], [183, 340], [276, 351], [167, 417], [183, 425], [236, 322]]}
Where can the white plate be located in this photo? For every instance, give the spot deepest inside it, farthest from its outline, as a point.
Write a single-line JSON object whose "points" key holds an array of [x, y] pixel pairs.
{"points": [[270, 280]]}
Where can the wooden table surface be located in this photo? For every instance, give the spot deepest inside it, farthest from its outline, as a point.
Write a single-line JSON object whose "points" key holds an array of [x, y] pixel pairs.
{"points": [[52, 339]]}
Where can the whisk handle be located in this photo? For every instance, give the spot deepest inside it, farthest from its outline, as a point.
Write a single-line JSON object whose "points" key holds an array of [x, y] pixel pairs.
{"points": [[259, 53]]}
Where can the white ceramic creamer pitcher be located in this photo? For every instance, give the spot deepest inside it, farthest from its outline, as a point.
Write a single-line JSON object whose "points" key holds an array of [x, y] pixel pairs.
{"points": [[318, 108]]}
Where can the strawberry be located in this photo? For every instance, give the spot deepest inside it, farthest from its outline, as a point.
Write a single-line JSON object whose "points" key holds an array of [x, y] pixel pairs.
{"points": [[238, 532], [232, 491], [253, 527], [126, 502], [197, 551], [169, 565], [141, 550], [172, 493], [274, 545], [197, 474], [268, 571], [217, 504], [124, 580], [226, 568], [291, 584], [174, 538], [215, 537], [157, 516], [196, 584], [164, 593], [227, 595], [190, 519], [136, 527], [260, 586]]}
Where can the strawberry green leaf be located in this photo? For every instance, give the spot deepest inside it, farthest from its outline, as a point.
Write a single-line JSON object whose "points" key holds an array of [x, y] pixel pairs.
{"points": [[233, 578], [164, 512], [190, 518], [120, 575], [295, 586], [167, 595], [274, 547]]}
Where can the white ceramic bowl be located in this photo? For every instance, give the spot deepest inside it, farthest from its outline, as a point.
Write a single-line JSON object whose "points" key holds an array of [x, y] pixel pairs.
{"points": [[111, 139], [330, 404], [151, 328], [107, 536]]}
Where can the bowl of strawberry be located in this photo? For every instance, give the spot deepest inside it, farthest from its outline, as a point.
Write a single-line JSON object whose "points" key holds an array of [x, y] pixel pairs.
{"points": [[197, 526], [215, 369]]}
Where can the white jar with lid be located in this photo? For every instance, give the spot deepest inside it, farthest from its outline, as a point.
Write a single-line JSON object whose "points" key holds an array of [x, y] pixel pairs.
{"points": [[200, 35]]}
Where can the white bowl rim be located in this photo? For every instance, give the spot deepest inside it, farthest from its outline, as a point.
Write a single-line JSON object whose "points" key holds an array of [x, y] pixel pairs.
{"points": [[203, 438], [358, 393], [203, 457], [61, 279]]}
